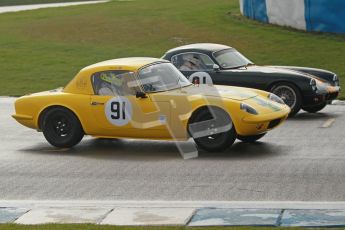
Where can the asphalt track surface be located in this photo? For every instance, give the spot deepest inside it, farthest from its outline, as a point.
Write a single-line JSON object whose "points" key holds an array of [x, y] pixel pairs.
{"points": [[303, 160]]}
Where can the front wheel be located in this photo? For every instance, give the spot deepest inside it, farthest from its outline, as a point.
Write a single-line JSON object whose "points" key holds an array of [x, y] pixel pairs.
{"points": [[251, 139], [212, 134], [315, 108], [290, 94], [62, 128]]}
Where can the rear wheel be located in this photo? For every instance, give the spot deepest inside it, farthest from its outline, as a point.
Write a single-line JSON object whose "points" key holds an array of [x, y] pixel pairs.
{"points": [[251, 139], [62, 128], [212, 134], [316, 108], [290, 94]]}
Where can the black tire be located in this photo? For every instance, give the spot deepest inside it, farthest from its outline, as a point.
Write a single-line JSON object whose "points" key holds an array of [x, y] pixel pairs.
{"points": [[62, 128], [250, 139], [316, 108], [290, 94], [216, 142]]}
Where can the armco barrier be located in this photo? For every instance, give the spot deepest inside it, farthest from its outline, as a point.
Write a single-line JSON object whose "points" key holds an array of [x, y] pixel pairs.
{"points": [[310, 15]]}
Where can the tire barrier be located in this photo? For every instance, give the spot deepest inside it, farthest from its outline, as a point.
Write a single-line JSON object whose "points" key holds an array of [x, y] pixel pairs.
{"points": [[309, 15]]}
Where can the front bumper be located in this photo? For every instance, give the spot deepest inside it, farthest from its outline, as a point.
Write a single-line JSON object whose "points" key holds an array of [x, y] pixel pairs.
{"points": [[331, 93], [262, 123], [25, 120]]}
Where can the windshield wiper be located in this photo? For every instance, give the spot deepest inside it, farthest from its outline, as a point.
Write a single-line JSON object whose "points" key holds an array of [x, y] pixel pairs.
{"points": [[243, 66]]}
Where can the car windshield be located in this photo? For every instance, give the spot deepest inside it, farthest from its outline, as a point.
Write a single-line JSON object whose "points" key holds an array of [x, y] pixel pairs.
{"points": [[231, 58], [161, 77]]}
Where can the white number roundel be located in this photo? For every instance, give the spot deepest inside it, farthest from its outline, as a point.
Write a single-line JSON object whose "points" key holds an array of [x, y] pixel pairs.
{"points": [[200, 78], [118, 111]]}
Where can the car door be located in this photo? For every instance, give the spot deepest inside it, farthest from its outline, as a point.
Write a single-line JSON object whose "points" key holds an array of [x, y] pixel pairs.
{"points": [[232, 77], [117, 112], [243, 77]]}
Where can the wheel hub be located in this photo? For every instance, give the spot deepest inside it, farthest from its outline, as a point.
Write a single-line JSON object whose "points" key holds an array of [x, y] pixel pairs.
{"points": [[286, 94], [61, 127]]}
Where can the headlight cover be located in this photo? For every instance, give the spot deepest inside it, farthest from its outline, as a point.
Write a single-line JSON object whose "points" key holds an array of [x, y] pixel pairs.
{"points": [[275, 98], [247, 108], [319, 86], [313, 84], [335, 80]]}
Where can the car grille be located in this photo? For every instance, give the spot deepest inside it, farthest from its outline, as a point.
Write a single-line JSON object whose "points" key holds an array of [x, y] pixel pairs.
{"points": [[273, 123], [332, 96]]}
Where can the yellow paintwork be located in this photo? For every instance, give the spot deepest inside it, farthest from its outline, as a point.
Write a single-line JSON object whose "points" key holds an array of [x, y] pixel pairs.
{"points": [[162, 115]]}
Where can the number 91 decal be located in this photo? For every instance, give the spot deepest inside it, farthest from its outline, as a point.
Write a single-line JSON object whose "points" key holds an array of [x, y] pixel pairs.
{"points": [[118, 111], [200, 78]]}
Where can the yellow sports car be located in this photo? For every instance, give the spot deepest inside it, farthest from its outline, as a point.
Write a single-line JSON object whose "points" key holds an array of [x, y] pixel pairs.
{"points": [[149, 98]]}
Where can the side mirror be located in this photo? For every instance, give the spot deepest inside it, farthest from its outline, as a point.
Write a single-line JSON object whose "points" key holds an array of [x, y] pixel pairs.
{"points": [[216, 67], [140, 95]]}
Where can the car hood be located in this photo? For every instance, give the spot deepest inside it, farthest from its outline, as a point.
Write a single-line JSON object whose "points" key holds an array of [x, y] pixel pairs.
{"points": [[277, 71], [229, 92]]}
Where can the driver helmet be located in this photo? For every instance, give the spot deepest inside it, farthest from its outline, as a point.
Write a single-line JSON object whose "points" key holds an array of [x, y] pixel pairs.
{"points": [[191, 58], [111, 78]]}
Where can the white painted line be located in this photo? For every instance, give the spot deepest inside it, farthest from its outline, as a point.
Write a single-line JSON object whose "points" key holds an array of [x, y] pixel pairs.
{"points": [[172, 204], [149, 216], [6, 9], [328, 123], [62, 215]]}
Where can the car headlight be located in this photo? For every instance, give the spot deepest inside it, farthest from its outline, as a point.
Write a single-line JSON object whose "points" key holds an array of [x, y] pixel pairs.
{"points": [[275, 98], [248, 109], [335, 77], [319, 86], [313, 84], [335, 80]]}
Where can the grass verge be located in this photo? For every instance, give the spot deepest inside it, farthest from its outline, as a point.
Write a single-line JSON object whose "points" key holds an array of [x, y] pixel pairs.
{"points": [[45, 48]]}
